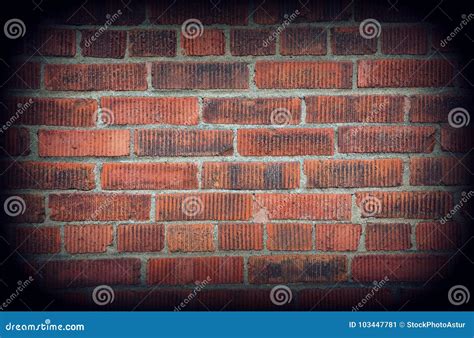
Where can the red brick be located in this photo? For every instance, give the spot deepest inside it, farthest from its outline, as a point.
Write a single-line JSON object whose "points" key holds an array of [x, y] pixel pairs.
{"points": [[456, 140], [404, 73], [345, 299], [15, 142], [95, 77], [34, 209], [51, 42], [25, 75], [38, 240], [433, 108], [47, 175], [290, 237], [174, 142], [252, 111], [107, 44], [53, 111], [439, 171], [148, 42], [251, 42], [348, 40], [303, 41], [353, 173], [285, 142], [76, 273], [140, 237], [99, 207], [190, 237], [360, 108], [303, 74], [297, 269], [404, 40], [384, 139], [151, 110], [398, 268], [149, 176], [240, 236], [69, 143], [200, 75], [404, 204], [438, 236], [304, 206], [210, 42], [338, 237], [276, 12], [169, 12], [189, 270], [390, 236], [203, 206], [87, 238], [250, 175]]}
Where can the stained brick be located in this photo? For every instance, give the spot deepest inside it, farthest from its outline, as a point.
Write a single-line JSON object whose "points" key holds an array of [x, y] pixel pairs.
{"points": [[109, 44], [348, 40], [251, 42], [147, 42], [438, 236], [303, 41], [439, 171]]}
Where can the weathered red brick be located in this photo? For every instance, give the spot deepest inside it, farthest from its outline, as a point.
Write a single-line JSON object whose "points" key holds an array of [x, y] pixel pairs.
{"points": [[275, 111], [285, 142], [338, 237], [200, 75], [399, 139], [90, 77], [251, 42], [151, 110], [174, 142], [439, 171], [348, 40], [404, 40], [387, 236], [290, 237], [240, 236], [438, 236], [303, 74], [210, 42], [250, 175], [99, 207], [189, 270], [297, 269], [38, 240], [148, 42], [69, 143], [87, 238], [140, 237], [353, 173], [456, 139], [190, 237], [303, 41], [432, 108], [149, 176], [108, 44]]}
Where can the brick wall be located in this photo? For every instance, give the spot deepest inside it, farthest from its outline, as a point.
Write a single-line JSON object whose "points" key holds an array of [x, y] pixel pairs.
{"points": [[276, 144]]}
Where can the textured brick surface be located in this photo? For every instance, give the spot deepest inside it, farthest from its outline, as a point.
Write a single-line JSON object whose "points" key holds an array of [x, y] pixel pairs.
{"points": [[140, 237], [87, 238], [387, 237], [338, 237]]}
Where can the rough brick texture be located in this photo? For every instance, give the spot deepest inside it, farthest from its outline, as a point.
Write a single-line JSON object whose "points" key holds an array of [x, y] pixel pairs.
{"points": [[245, 144]]}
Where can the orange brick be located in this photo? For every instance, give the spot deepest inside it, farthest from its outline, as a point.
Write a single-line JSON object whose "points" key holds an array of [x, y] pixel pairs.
{"points": [[190, 237], [140, 237], [240, 236]]}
